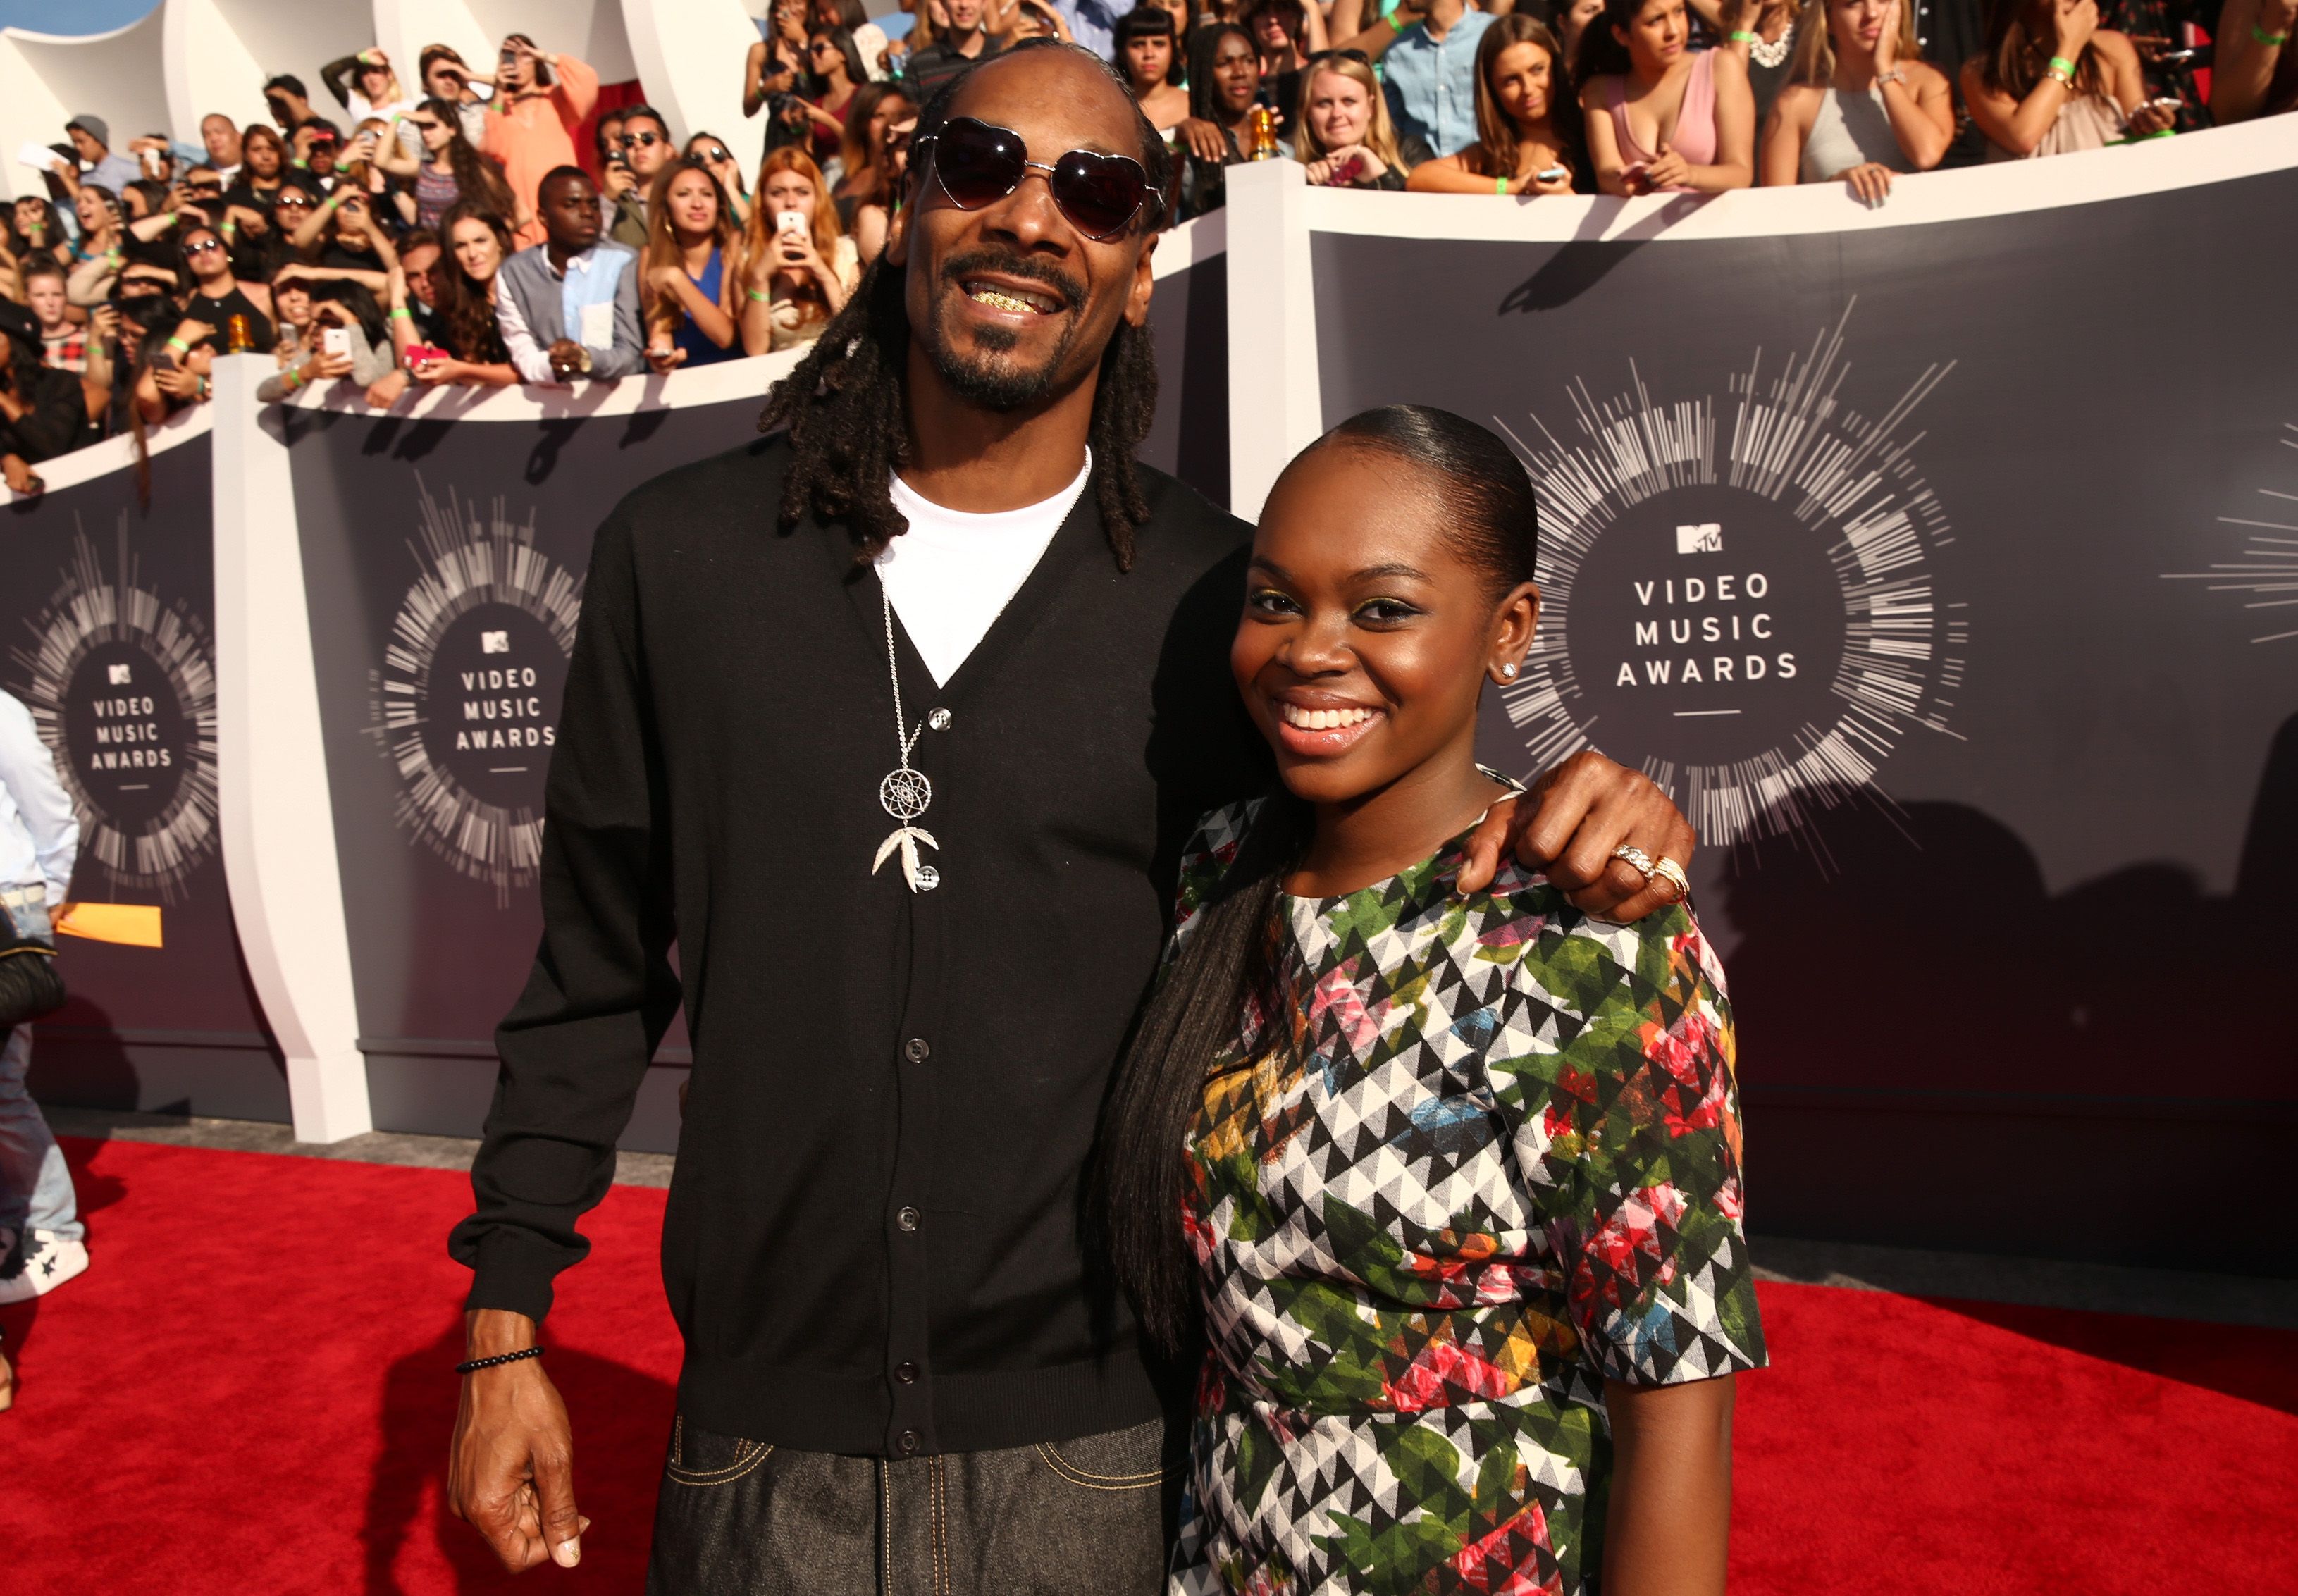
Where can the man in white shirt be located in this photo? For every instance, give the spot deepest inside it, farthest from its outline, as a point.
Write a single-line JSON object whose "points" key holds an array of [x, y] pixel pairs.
{"points": [[39, 839]]}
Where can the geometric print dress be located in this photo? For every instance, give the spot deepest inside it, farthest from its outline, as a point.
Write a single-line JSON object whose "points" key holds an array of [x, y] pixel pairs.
{"points": [[1497, 1165]]}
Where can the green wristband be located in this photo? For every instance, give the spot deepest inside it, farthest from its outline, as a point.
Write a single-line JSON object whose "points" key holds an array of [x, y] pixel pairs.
{"points": [[1740, 35], [2271, 40], [2064, 64], [401, 313], [1500, 185]]}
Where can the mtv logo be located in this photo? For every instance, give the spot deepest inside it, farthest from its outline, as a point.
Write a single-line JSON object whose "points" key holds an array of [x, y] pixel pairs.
{"points": [[118, 675], [1706, 538], [494, 642]]}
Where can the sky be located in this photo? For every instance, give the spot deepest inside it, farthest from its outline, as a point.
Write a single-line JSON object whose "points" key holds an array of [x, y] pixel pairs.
{"points": [[71, 16]]}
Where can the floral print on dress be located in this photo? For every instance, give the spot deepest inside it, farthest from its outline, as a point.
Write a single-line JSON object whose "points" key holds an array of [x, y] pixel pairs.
{"points": [[1495, 1164]]}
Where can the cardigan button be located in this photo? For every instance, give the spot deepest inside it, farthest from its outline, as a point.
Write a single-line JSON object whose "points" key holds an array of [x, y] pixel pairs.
{"points": [[939, 720], [917, 1049], [906, 1218], [907, 1373]]}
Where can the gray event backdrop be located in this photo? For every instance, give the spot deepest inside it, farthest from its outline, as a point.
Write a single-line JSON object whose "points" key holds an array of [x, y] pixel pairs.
{"points": [[1919, 561]]}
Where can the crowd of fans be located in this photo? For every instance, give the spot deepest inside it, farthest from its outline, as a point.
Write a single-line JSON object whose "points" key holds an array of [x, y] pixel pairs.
{"points": [[454, 235]]}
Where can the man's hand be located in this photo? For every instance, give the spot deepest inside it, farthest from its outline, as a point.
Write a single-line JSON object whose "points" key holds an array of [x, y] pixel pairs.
{"points": [[1577, 814], [510, 1465], [566, 361], [21, 478]]}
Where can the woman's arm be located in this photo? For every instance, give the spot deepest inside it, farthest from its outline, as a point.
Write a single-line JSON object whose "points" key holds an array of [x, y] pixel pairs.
{"points": [[870, 223], [1921, 112], [757, 315], [337, 76], [2246, 65], [307, 232], [1780, 161], [1450, 174], [2019, 125], [2125, 85], [1603, 145], [90, 283], [1668, 1528], [1734, 165], [576, 92], [675, 291]]}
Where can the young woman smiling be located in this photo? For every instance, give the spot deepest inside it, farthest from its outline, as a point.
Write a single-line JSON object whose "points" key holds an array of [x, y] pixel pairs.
{"points": [[1346, 138], [693, 272], [478, 240], [1445, 1186], [1661, 118], [1520, 146], [1862, 104]]}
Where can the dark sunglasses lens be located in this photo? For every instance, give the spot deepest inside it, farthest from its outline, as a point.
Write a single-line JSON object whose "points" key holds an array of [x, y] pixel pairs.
{"points": [[1098, 192], [976, 163]]}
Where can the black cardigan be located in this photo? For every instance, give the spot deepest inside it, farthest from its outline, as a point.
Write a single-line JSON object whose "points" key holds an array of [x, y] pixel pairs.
{"points": [[872, 1243]]}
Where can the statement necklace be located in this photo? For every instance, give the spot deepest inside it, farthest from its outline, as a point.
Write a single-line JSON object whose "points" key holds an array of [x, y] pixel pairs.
{"points": [[905, 793], [1770, 54]]}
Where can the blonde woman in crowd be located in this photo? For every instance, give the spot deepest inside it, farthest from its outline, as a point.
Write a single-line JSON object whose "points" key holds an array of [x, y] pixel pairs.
{"points": [[1862, 104], [690, 277], [1524, 103], [2053, 81], [800, 272], [1346, 138]]}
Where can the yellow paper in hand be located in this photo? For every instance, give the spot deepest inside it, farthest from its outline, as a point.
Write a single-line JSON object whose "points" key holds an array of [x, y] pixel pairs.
{"points": [[133, 925]]}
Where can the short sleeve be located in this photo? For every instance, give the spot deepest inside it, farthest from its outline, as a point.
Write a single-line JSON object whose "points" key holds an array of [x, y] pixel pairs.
{"points": [[1634, 1156]]}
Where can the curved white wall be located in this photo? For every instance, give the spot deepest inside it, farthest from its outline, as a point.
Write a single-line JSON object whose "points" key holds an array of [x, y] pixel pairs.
{"points": [[590, 30], [690, 56], [220, 51], [47, 81]]}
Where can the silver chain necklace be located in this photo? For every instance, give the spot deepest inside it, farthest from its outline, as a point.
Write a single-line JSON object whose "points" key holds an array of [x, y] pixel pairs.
{"points": [[905, 793]]}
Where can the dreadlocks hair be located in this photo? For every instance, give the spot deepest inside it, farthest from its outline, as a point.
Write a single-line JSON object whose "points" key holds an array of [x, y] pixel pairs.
{"points": [[843, 403]]}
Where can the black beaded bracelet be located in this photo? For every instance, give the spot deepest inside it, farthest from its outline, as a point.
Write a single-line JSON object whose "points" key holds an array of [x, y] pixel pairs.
{"points": [[528, 1352]]}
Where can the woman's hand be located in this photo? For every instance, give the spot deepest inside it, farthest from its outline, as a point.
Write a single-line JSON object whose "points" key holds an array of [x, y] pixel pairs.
{"points": [[2075, 21], [22, 480], [431, 373], [1205, 140], [1669, 170], [1886, 42], [1336, 169], [384, 391], [1870, 181], [2152, 117], [664, 358], [177, 382], [1533, 183]]}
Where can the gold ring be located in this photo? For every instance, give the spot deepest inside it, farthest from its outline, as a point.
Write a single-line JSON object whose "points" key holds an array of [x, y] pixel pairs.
{"points": [[1665, 869]]}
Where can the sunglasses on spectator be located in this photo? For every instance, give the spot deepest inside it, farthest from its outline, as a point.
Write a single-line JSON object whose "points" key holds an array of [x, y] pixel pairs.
{"points": [[978, 164], [294, 200], [203, 246], [1359, 56], [204, 191], [649, 139], [715, 154], [421, 124]]}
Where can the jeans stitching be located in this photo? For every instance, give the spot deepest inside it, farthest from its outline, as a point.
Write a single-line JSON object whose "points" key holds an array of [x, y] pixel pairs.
{"points": [[941, 1532], [1097, 1481], [745, 1462]]}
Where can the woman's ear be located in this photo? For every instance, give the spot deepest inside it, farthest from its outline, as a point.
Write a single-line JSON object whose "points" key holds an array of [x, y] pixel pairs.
{"points": [[1514, 624]]}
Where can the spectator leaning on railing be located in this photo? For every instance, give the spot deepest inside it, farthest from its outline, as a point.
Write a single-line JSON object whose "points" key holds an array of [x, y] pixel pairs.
{"points": [[321, 340], [465, 284], [2256, 72], [691, 272], [540, 100], [1660, 117], [2053, 81], [569, 306], [1525, 116], [798, 273], [1345, 137], [1862, 104]]}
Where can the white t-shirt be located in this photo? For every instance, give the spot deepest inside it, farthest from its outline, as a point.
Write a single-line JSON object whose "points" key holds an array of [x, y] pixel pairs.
{"points": [[953, 572]]}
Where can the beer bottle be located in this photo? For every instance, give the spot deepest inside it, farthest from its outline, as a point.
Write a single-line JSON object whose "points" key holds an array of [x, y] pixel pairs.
{"points": [[237, 339], [1264, 127]]}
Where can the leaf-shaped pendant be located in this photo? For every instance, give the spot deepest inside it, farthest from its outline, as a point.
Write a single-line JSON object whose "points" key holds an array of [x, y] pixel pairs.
{"points": [[922, 878]]}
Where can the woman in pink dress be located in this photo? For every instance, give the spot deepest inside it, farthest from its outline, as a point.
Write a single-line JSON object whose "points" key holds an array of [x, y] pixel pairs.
{"points": [[1662, 118]]}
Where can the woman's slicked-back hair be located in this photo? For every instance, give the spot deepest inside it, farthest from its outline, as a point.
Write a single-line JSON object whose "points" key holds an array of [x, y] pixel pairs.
{"points": [[1226, 965], [1493, 522]]}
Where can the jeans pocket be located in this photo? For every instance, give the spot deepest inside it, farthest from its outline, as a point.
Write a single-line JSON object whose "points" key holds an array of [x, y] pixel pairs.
{"points": [[1131, 1459], [703, 1458]]}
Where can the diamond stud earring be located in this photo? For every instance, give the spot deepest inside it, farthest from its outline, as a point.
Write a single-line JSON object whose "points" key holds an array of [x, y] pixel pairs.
{"points": [[1509, 671]]}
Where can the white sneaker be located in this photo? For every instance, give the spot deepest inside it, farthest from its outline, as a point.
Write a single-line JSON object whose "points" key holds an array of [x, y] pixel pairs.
{"points": [[49, 1261]]}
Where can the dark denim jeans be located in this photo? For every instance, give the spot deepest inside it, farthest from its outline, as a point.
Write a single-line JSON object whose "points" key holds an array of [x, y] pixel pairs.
{"points": [[1082, 1517]]}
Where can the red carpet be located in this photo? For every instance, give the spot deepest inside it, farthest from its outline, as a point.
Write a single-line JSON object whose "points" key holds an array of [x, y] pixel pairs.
{"points": [[250, 1393]]}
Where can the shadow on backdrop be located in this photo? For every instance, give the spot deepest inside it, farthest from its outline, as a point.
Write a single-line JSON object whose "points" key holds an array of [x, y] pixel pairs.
{"points": [[1937, 1053]]}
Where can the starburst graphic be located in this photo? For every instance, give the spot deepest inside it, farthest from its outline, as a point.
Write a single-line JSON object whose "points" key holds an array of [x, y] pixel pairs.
{"points": [[122, 685], [2267, 567], [467, 702], [1745, 606]]}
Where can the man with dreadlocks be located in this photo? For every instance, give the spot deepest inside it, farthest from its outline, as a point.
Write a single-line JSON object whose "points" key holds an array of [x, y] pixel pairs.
{"points": [[894, 722]]}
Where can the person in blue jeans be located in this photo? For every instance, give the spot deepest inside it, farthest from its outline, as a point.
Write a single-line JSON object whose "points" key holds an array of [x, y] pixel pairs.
{"points": [[42, 1242]]}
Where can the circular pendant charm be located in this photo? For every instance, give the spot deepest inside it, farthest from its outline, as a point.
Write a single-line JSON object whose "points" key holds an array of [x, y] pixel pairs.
{"points": [[905, 793]]}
